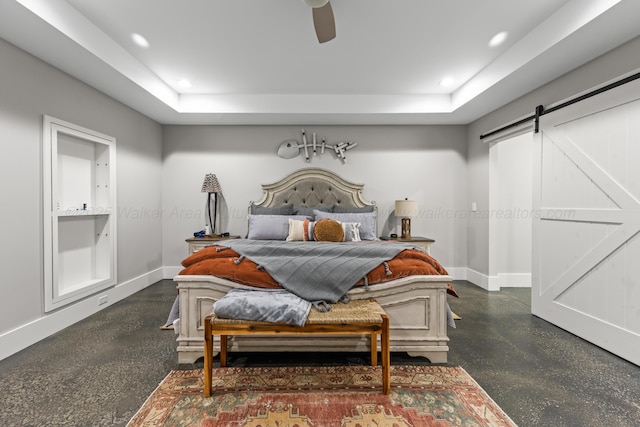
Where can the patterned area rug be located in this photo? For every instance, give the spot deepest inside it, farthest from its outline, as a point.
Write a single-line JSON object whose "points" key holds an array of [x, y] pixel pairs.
{"points": [[321, 396]]}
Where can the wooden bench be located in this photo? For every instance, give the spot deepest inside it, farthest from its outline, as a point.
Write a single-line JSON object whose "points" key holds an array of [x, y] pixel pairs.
{"points": [[358, 317]]}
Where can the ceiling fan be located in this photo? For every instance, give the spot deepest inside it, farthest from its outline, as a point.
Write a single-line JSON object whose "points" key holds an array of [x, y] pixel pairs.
{"points": [[323, 20]]}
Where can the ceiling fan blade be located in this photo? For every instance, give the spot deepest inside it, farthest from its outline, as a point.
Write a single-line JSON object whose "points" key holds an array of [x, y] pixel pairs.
{"points": [[324, 23]]}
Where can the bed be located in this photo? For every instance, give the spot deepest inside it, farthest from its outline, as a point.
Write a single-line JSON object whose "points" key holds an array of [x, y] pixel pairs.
{"points": [[416, 305]]}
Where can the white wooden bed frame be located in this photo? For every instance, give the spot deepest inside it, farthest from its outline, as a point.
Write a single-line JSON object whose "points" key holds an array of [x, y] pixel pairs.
{"points": [[416, 306]]}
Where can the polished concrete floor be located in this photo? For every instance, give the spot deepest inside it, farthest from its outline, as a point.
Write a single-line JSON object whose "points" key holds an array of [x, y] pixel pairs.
{"points": [[99, 371]]}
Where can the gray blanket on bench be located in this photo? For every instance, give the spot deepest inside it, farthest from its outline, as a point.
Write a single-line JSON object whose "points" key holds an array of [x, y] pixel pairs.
{"points": [[278, 306], [316, 271]]}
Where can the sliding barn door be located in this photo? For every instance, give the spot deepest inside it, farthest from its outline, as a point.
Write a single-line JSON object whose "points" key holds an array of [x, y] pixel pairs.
{"points": [[586, 237]]}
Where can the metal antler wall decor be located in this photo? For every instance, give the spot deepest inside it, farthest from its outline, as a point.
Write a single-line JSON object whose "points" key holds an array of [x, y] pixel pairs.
{"points": [[291, 148]]}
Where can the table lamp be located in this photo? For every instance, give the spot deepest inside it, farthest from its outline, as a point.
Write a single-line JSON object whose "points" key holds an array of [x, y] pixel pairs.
{"points": [[211, 186], [406, 209]]}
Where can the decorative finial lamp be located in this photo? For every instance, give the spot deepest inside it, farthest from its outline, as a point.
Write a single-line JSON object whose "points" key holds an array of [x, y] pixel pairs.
{"points": [[211, 186], [406, 209]]}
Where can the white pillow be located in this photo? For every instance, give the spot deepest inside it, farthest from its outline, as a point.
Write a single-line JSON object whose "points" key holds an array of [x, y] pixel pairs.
{"points": [[300, 230], [351, 231]]}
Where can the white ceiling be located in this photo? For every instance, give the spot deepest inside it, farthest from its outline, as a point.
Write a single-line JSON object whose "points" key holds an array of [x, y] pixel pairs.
{"points": [[259, 62]]}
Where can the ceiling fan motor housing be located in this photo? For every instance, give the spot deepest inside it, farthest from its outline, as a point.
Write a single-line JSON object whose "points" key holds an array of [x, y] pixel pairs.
{"points": [[316, 3]]}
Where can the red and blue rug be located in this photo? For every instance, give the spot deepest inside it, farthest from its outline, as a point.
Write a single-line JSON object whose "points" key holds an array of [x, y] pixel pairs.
{"points": [[321, 396]]}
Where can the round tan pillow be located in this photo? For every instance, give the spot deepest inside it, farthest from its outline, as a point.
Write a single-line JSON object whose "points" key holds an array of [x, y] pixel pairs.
{"points": [[328, 230]]}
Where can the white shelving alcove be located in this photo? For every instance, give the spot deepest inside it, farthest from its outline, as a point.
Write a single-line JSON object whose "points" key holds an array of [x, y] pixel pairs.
{"points": [[79, 212]]}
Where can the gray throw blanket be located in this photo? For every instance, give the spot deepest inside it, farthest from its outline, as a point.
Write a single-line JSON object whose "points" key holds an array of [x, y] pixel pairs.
{"points": [[316, 271], [276, 306]]}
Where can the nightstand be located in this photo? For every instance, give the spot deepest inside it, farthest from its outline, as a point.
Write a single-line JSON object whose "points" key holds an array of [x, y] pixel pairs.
{"points": [[423, 242], [197, 243]]}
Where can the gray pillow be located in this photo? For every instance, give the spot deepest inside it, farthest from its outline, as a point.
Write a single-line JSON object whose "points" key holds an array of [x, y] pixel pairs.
{"points": [[367, 221], [302, 210], [286, 209], [351, 209], [271, 227]]}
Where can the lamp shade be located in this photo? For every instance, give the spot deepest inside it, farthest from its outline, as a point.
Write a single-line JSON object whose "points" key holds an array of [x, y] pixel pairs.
{"points": [[406, 208], [211, 184]]}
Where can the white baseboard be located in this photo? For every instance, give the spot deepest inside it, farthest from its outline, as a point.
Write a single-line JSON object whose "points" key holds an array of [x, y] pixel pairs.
{"points": [[515, 280], [495, 283], [30, 333], [481, 280], [458, 273], [171, 272]]}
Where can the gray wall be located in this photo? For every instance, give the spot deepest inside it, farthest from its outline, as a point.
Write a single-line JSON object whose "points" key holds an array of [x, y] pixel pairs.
{"points": [[608, 67], [30, 88], [425, 163]]}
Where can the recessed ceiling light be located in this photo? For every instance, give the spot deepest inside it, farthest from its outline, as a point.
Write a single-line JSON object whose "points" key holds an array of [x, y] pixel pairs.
{"points": [[447, 81], [498, 39], [184, 83], [139, 40]]}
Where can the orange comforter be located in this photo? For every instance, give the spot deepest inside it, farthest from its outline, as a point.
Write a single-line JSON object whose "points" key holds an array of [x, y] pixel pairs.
{"points": [[212, 262]]}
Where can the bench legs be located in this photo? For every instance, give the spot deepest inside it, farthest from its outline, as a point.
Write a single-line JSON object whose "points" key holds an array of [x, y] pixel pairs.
{"points": [[223, 351], [208, 356], [386, 355], [374, 349]]}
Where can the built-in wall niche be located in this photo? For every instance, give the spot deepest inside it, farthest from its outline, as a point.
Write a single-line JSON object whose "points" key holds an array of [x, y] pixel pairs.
{"points": [[79, 212]]}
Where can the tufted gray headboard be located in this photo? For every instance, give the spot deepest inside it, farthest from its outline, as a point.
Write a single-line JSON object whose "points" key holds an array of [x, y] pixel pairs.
{"points": [[311, 187]]}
